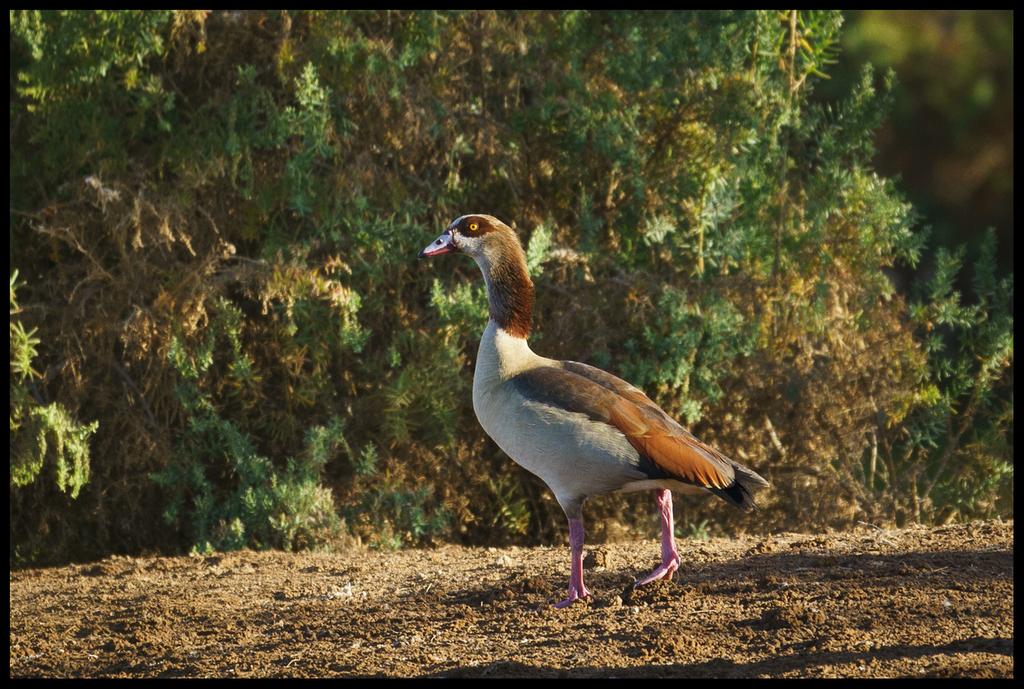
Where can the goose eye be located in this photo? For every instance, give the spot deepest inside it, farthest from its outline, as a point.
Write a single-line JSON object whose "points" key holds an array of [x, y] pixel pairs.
{"points": [[473, 226]]}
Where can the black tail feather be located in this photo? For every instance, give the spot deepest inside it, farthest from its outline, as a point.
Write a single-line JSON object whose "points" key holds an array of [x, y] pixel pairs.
{"points": [[741, 492], [737, 494]]}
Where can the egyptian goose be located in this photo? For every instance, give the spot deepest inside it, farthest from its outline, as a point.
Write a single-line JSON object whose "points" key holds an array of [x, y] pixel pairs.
{"points": [[583, 431]]}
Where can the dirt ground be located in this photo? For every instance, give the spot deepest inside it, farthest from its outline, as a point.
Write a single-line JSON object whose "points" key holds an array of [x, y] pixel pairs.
{"points": [[866, 603]]}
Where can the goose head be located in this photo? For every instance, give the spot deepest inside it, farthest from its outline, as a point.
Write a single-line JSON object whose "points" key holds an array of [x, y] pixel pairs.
{"points": [[496, 249], [483, 237]]}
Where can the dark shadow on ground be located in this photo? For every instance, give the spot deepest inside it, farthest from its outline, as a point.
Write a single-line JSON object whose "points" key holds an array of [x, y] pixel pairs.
{"points": [[719, 667], [753, 573]]}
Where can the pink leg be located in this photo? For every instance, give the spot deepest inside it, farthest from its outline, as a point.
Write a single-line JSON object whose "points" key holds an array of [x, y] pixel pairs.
{"points": [[576, 588], [669, 554]]}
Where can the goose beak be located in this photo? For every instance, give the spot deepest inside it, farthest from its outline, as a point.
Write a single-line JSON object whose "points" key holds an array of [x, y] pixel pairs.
{"points": [[441, 245]]}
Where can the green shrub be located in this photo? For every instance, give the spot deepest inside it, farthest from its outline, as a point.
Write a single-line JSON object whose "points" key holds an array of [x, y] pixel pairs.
{"points": [[229, 496], [226, 229], [42, 436], [953, 454]]}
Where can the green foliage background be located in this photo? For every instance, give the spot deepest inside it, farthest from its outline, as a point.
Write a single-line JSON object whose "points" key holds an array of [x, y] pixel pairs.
{"points": [[949, 136], [216, 218]]}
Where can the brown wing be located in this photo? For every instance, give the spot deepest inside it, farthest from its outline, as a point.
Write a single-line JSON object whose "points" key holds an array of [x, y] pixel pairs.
{"points": [[647, 405], [613, 383], [603, 397]]}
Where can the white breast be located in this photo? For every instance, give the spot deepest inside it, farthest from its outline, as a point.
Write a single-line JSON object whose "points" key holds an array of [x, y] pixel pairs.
{"points": [[574, 455]]}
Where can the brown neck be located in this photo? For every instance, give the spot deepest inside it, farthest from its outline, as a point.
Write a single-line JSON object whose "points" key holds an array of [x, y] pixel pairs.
{"points": [[509, 289]]}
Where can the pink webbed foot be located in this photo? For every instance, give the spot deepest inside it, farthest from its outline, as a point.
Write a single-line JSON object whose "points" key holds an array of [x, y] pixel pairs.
{"points": [[577, 589], [575, 594], [664, 571], [669, 554]]}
